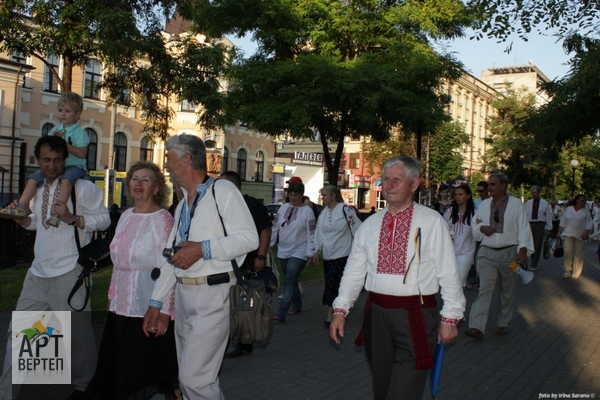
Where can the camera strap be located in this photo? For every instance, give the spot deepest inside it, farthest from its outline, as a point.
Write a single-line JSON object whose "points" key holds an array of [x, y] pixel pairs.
{"points": [[192, 211]]}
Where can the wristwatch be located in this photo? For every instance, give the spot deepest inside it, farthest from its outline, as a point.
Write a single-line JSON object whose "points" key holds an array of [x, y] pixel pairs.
{"points": [[261, 257], [74, 220]]}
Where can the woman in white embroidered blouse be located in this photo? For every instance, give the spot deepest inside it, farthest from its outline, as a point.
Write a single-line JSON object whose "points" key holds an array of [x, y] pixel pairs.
{"points": [[333, 238], [129, 363], [294, 230], [459, 218], [575, 227]]}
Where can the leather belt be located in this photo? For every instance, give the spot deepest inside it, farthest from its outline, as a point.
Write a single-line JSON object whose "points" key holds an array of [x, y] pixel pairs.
{"points": [[198, 281], [499, 248]]}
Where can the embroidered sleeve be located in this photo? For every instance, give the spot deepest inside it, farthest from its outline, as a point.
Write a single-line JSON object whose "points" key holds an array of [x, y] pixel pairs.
{"points": [[450, 321], [339, 311]]}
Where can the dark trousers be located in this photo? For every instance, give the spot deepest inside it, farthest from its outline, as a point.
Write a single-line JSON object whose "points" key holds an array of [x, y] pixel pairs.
{"points": [[390, 352], [538, 229]]}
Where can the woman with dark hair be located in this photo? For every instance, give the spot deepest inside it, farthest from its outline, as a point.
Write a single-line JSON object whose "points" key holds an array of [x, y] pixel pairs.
{"points": [[294, 230], [459, 217], [443, 202], [575, 227], [131, 365], [336, 227]]}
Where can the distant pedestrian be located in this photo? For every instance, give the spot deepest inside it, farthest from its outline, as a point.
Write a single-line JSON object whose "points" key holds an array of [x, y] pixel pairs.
{"points": [[336, 227], [539, 214], [557, 213], [256, 260], [444, 201], [294, 231], [575, 227], [459, 218]]}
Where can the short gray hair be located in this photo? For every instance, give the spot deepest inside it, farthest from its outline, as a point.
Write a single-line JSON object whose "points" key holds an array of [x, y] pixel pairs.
{"points": [[335, 191], [501, 177], [412, 166], [188, 144]]}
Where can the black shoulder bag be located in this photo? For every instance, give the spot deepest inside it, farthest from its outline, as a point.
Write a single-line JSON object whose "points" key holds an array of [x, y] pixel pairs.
{"points": [[92, 257], [251, 309]]}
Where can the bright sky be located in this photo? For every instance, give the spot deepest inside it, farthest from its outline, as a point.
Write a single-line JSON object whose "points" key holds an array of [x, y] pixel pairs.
{"points": [[478, 56], [543, 51]]}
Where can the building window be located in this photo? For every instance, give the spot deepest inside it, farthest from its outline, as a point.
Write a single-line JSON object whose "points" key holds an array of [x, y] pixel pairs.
{"points": [[92, 149], [120, 151], [241, 164], [188, 106], [259, 175], [92, 79], [18, 57], [146, 149], [50, 81], [354, 161], [47, 128], [225, 160]]}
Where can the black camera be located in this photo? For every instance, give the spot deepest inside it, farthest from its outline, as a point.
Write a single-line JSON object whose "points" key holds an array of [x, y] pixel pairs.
{"points": [[170, 252]]}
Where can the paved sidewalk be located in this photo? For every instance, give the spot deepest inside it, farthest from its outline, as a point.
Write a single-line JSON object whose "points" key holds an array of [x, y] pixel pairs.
{"points": [[552, 349]]}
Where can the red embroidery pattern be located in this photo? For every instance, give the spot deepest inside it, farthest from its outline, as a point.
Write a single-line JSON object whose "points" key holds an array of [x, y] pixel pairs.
{"points": [[393, 242], [450, 321], [339, 311]]}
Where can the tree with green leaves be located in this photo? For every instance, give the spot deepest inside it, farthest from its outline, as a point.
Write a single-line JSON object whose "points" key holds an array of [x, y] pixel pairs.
{"points": [[445, 157], [574, 111], [504, 18], [377, 153], [512, 146], [75, 30], [140, 67], [346, 69]]}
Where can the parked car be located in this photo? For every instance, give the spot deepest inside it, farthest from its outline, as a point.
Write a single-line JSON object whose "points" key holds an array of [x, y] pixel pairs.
{"points": [[272, 209]]}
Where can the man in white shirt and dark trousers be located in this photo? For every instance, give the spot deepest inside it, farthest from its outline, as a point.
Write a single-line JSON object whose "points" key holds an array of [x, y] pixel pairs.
{"points": [[54, 269], [502, 227], [539, 214], [406, 253]]}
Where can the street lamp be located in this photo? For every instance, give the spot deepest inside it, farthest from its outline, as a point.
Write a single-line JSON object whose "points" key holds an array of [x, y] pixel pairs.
{"points": [[574, 165]]}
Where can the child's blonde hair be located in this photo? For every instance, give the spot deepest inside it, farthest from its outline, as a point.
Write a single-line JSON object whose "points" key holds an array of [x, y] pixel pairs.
{"points": [[72, 99]]}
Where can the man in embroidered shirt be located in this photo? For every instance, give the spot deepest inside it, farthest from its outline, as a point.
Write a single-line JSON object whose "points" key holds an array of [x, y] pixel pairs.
{"points": [[502, 227], [539, 214], [406, 253], [201, 267], [54, 269]]}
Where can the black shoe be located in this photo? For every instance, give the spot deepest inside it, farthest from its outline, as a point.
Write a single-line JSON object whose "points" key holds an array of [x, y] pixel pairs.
{"points": [[238, 352], [474, 333]]}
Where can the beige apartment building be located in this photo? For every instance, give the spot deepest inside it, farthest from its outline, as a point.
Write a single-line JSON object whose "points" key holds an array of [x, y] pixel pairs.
{"points": [[528, 77]]}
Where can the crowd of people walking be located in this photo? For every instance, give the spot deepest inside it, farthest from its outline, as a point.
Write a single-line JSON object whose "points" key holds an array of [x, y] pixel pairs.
{"points": [[168, 315]]}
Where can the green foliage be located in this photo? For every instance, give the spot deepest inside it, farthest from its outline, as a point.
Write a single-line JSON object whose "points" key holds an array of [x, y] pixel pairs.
{"points": [[346, 69], [574, 110], [504, 18], [125, 36], [445, 158], [377, 153], [512, 146]]}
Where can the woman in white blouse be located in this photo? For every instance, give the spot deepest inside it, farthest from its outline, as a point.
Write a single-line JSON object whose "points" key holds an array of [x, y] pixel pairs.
{"points": [[294, 230], [459, 217], [575, 227], [335, 230], [131, 365]]}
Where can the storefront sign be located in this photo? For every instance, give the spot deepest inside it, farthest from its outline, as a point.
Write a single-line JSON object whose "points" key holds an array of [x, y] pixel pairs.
{"points": [[361, 181], [301, 157]]}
